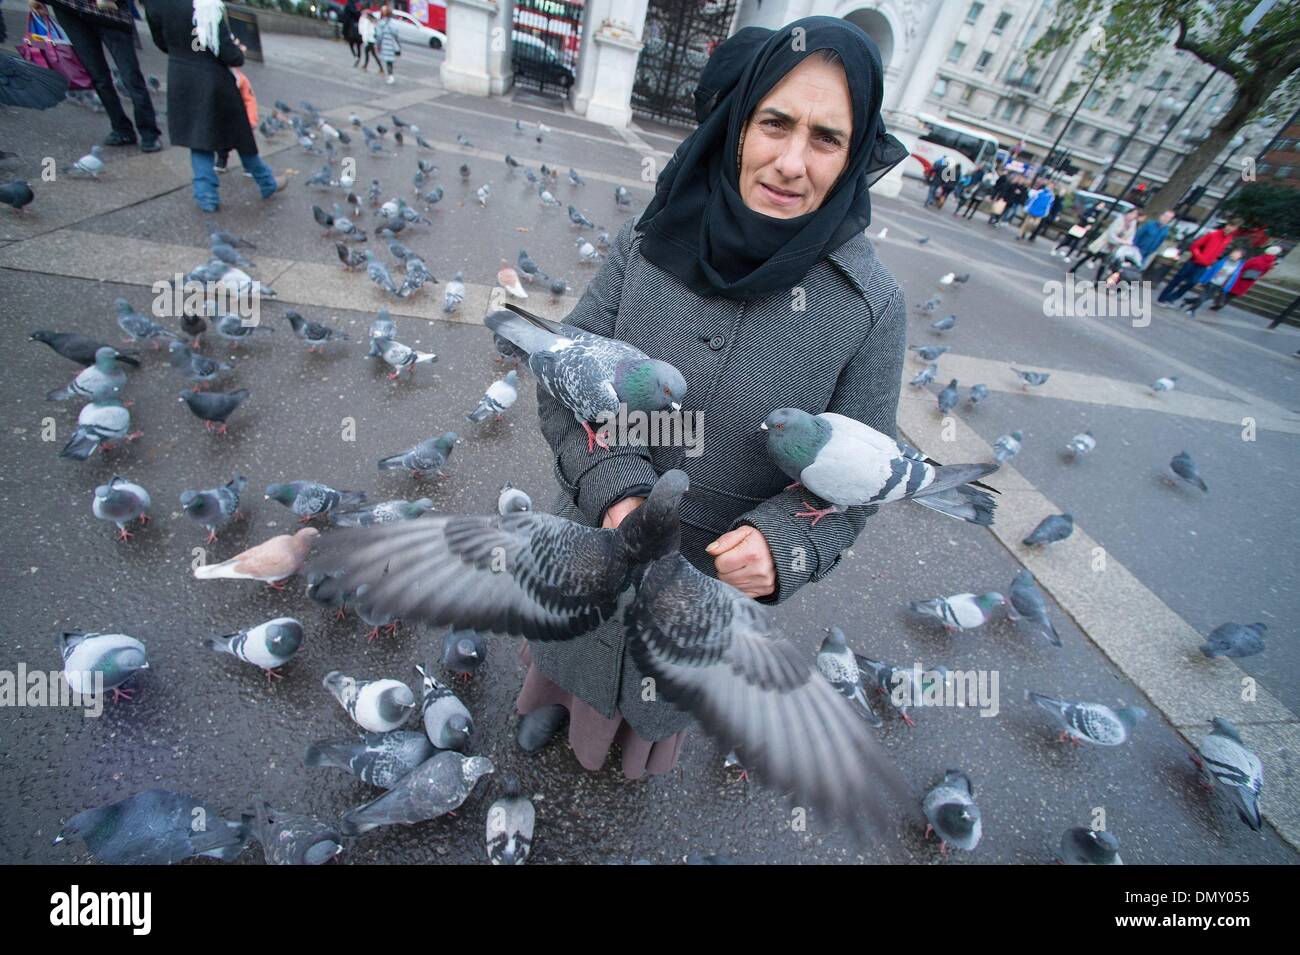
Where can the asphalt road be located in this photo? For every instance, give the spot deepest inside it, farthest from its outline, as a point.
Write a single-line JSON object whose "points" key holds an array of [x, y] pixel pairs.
{"points": [[208, 725]]}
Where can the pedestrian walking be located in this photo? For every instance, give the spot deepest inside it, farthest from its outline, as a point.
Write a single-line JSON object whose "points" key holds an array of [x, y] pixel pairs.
{"points": [[949, 185], [1001, 199], [93, 27], [1069, 243], [366, 30], [1151, 235], [349, 18], [1038, 206], [1120, 232], [386, 42], [205, 110], [1205, 251], [982, 189]]}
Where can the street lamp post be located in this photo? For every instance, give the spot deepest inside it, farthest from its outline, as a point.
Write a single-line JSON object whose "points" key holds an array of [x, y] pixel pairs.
{"points": [[1101, 68]]}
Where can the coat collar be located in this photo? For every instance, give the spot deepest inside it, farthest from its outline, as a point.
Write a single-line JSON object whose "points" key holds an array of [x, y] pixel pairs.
{"points": [[855, 259]]}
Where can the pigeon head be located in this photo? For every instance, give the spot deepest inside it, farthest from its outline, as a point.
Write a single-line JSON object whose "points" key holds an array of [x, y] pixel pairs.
{"points": [[1130, 715], [42, 336], [457, 731], [465, 648], [395, 702], [321, 852], [794, 437], [283, 639], [416, 508], [990, 600], [475, 768], [295, 320], [648, 384], [834, 640], [653, 530], [284, 493], [957, 819], [123, 306], [1017, 435], [1104, 841], [192, 501], [101, 818], [446, 442], [121, 663]]}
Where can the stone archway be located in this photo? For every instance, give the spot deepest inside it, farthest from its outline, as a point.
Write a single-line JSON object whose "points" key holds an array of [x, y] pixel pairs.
{"points": [[875, 25]]}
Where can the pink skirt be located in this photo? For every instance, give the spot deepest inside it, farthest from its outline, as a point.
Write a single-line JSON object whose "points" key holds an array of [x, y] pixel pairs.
{"points": [[591, 734]]}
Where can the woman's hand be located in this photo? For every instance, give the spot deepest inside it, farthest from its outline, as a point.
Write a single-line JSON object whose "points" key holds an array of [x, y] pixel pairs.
{"points": [[744, 561], [615, 513]]}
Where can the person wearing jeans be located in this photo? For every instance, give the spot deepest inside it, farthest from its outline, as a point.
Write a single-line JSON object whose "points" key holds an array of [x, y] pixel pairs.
{"points": [[1205, 252], [205, 110], [92, 28]]}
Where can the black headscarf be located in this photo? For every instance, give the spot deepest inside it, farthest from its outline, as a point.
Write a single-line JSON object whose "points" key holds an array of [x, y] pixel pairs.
{"points": [[698, 227]]}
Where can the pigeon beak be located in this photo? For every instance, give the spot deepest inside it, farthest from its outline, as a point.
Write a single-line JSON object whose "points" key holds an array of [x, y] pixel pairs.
{"points": [[57, 839], [763, 426]]}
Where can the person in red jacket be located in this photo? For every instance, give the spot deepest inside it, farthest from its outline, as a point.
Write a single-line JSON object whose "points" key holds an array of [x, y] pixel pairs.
{"points": [[1252, 270], [1206, 250]]}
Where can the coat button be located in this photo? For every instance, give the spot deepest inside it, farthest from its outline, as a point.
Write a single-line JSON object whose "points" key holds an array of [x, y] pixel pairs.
{"points": [[717, 342]]}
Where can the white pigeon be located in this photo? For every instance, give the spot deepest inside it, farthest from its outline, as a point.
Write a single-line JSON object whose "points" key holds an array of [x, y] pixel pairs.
{"points": [[453, 294], [586, 251], [1164, 384], [498, 399], [91, 163], [483, 192], [375, 705], [882, 233], [960, 611], [1081, 444], [947, 279]]}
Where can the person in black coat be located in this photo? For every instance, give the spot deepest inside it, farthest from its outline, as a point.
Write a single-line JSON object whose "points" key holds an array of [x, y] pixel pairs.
{"points": [[348, 19], [204, 108]]}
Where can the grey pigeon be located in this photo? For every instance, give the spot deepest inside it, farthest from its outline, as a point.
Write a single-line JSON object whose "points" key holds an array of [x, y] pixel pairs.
{"points": [[622, 197], [121, 502], [1084, 846], [268, 645], [838, 664], [978, 393], [438, 786], [136, 327], [378, 273], [577, 218], [155, 827], [99, 425], [214, 507], [380, 759], [234, 241], [79, 348], [387, 512], [498, 399], [375, 705], [1053, 528], [1090, 722], [1183, 466], [922, 240], [112, 657], [197, 368], [510, 823], [586, 251], [325, 177], [890, 680], [949, 397], [1235, 640], [102, 380], [454, 293], [463, 652], [235, 330], [1081, 444], [527, 267], [558, 287], [1028, 378], [1027, 601], [1230, 764], [309, 499], [345, 227], [16, 194], [1164, 384], [960, 611], [446, 720], [930, 304], [230, 255], [846, 462], [214, 407], [952, 813], [400, 357], [925, 375], [431, 454], [1007, 446], [382, 330], [368, 612], [928, 352], [291, 838], [589, 374], [314, 334], [511, 500], [575, 179], [710, 649], [945, 323], [433, 196]]}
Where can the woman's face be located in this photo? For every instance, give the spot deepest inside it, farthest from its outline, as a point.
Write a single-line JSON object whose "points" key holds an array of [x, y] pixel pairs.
{"points": [[796, 143], [385, 10]]}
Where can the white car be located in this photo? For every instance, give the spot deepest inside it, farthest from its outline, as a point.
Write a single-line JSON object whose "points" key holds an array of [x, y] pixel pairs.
{"points": [[408, 31]]}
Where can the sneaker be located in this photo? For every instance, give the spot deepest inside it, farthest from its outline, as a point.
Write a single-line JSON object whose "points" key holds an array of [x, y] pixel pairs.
{"points": [[537, 728], [150, 145], [391, 80], [119, 139], [220, 167]]}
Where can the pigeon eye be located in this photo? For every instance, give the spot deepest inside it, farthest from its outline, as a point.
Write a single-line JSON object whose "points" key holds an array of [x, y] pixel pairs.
{"points": [[779, 427]]}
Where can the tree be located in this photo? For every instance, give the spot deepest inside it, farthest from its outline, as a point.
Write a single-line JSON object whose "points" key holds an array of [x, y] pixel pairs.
{"points": [[1259, 63], [1270, 206]]}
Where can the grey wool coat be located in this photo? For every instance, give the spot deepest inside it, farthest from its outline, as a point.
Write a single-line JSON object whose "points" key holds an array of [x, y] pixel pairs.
{"points": [[842, 352]]}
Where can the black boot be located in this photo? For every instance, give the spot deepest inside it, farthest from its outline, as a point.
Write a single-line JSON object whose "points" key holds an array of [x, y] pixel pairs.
{"points": [[537, 727]]}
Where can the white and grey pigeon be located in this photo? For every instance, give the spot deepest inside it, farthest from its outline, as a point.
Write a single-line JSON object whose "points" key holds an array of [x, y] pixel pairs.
{"points": [[1186, 470], [1034, 378], [214, 507], [374, 705], [121, 502], [234, 329], [446, 719], [230, 255], [928, 352], [380, 759], [463, 652], [454, 293], [1053, 528], [511, 500], [622, 197], [578, 219], [498, 399], [925, 375], [1234, 767], [268, 645], [589, 374], [527, 268], [930, 304], [378, 273], [951, 812], [313, 333], [200, 369], [155, 827], [91, 164], [960, 611], [399, 357], [289, 838], [112, 658], [382, 329], [586, 251], [847, 463], [1090, 722], [1084, 846], [838, 663], [98, 382], [386, 512], [1081, 444], [710, 649], [1007, 446], [99, 425], [1235, 640], [308, 499], [436, 787], [891, 680], [1027, 602], [136, 327], [429, 456], [1164, 384], [511, 820], [978, 393]]}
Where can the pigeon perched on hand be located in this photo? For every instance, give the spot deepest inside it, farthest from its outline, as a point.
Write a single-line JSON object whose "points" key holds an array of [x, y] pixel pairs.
{"points": [[1007, 446], [310, 499], [1027, 602], [846, 462], [374, 705], [216, 506], [589, 374], [1055, 527], [961, 611], [446, 720], [498, 399], [839, 665], [155, 827], [99, 382], [1090, 722], [1084, 846], [953, 816], [430, 455], [79, 348], [214, 407], [99, 425], [380, 759], [121, 502], [386, 512], [272, 561], [438, 786], [1230, 764], [1235, 640], [93, 662], [1185, 468], [269, 645], [510, 823], [290, 838], [709, 648]]}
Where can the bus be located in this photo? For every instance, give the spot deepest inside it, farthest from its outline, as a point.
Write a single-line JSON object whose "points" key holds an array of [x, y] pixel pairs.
{"points": [[961, 144]]}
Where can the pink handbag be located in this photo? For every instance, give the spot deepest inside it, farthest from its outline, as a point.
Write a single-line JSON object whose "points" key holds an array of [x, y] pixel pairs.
{"points": [[49, 48]]}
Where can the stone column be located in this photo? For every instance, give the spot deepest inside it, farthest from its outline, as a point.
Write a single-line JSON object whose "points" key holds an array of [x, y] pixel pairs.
{"points": [[611, 43], [478, 47]]}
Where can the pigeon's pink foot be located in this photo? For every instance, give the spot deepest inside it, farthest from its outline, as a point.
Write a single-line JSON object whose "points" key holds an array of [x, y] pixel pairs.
{"points": [[135, 435], [339, 613], [120, 694], [392, 627], [392, 375], [277, 584], [943, 848], [593, 438], [744, 776], [128, 404], [815, 513], [466, 677], [908, 720], [123, 534], [145, 519], [273, 675], [370, 637], [928, 829], [212, 537], [791, 487], [1195, 758], [306, 518]]}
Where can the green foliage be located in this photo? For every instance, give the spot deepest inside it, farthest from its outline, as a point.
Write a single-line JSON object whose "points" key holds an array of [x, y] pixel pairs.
{"points": [[1269, 205]]}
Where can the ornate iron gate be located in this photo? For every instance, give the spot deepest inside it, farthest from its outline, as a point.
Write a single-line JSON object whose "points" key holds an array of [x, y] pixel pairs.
{"points": [[544, 43], [679, 37]]}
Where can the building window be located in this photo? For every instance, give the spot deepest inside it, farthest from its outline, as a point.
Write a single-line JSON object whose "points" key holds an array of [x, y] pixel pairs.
{"points": [[955, 53], [1070, 89], [1008, 109], [1030, 76], [1003, 20], [1050, 125], [1073, 132], [1097, 137], [1139, 113], [982, 63], [968, 94], [1116, 106], [940, 88], [1094, 98], [1088, 57], [974, 12]]}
